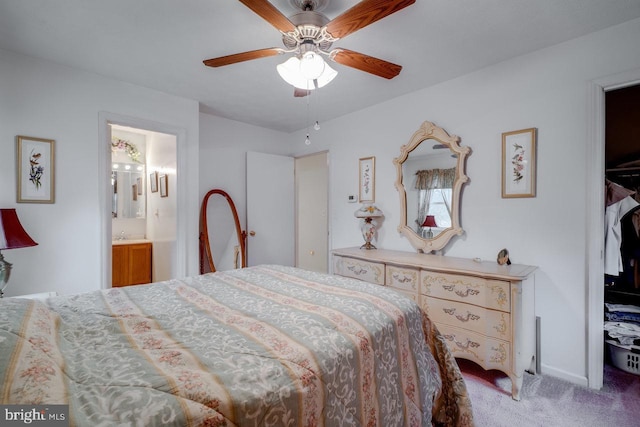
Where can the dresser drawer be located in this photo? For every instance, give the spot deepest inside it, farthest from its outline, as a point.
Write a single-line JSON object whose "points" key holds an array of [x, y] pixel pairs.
{"points": [[490, 353], [364, 270], [493, 323], [473, 290], [404, 278]]}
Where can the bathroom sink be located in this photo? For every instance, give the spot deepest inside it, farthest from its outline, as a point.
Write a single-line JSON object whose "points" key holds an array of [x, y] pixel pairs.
{"points": [[129, 241]]}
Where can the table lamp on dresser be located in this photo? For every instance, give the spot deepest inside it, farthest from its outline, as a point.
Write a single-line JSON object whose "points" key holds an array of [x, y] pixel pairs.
{"points": [[368, 212], [429, 221], [12, 236]]}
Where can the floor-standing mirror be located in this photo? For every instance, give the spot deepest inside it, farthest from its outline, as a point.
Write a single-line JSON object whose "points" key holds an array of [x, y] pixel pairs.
{"points": [[222, 241]]}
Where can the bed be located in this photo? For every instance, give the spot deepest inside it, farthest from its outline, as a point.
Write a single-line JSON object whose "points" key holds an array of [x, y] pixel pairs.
{"points": [[261, 346]]}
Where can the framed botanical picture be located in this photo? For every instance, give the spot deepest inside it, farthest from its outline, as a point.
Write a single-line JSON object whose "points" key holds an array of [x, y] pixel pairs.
{"points": [[519, 163], [163, 186], [367, 192], [153, 182], [36, 169], [134, 192]]}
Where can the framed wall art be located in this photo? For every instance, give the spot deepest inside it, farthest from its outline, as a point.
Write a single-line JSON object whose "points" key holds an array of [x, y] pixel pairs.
{"points": [[367, 180], [164, 191], [153, 182], [519, 163], [36, 169]]}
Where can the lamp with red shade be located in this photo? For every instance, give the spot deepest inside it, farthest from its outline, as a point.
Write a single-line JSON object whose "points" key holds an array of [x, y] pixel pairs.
{"points": [[12, 236], [429, 221]]}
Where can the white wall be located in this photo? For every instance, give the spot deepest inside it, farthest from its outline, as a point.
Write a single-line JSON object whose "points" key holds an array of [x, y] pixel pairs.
{"points": [[546, 90], [43, 99], [162, 211], [223, 147]]}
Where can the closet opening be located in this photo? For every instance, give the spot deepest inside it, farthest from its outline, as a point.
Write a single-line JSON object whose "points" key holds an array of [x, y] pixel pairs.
{"points": [[622, 231]]}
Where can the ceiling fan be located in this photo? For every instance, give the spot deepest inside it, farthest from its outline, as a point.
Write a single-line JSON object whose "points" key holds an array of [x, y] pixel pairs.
{"points": [[309, 34]]}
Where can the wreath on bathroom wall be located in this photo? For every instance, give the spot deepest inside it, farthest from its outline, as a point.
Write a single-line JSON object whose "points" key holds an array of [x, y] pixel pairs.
{"points": [[132, 151]]}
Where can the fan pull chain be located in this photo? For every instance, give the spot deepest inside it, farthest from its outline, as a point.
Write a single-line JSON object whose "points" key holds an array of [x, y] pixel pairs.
{"points": [[316, 126], [307, 141]]}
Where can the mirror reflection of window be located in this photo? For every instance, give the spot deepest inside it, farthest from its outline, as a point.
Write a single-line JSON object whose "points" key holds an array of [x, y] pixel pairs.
{"points": [[439, 205], [434, 200]]}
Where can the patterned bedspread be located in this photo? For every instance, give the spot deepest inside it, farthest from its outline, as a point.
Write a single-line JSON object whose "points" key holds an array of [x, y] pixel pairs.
{"points": [[261, 346]]}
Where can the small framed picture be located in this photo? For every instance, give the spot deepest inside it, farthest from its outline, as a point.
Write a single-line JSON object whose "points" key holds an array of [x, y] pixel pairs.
{"points": [[367, 180], [139, 184], [153, 182], [36, 169], [164, 191], [519, 163], [134, 192]]}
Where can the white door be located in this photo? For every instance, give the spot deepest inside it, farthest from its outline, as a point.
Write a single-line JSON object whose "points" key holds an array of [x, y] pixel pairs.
{"points": [[312, 197], [270, 209]]}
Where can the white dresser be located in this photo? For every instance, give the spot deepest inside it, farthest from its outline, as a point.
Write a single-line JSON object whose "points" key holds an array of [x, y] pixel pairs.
{"points": [[485, 311]]}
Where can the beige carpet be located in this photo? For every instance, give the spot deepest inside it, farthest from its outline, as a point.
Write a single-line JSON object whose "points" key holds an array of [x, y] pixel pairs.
{"points": [[550, 402]]}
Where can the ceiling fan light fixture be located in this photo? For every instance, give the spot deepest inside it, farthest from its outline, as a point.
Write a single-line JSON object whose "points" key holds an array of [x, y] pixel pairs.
{"points": [[327, 75], [311, 65], [291, 72]]}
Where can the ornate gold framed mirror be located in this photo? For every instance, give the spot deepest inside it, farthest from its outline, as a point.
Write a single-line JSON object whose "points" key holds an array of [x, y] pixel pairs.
{"points": [[222, 241], [430, 172]]}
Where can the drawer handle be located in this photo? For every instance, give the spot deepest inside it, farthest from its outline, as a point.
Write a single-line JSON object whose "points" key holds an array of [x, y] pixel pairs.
{"points": [[469, 316], [357, 272], [465, 346], [466, 293], [403, 279]]}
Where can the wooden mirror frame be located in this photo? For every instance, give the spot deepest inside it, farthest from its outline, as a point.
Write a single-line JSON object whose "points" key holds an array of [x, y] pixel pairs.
{"points": [[428, 131], [206, 258]]}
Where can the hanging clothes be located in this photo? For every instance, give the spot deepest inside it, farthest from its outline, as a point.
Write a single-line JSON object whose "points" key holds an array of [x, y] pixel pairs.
{"points": [[618, 203], [613, 192]]}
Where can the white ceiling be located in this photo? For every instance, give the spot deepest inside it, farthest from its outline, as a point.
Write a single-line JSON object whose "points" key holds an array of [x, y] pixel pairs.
{"points": [[160, 44]]}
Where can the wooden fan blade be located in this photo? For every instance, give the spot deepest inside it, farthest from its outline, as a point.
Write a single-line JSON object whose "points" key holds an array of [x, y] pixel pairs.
{"points": [[269, 13], [362, 14], [240, 57], [366, 63]]}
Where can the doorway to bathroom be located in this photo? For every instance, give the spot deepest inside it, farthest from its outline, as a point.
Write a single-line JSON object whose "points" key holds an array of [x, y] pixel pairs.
{"points": [[142, 190]]}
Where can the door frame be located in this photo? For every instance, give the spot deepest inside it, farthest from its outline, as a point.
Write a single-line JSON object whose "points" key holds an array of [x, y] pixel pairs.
{"points": [[105, 119], [595, 217]]}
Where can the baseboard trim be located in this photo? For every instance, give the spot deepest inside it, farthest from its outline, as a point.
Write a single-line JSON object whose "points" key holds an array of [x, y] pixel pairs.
{"points": [[564, 375]]}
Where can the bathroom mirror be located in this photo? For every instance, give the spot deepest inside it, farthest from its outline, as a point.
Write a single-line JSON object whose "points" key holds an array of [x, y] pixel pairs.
{"points": [[128, 195], [222, 241], [430, 172]]}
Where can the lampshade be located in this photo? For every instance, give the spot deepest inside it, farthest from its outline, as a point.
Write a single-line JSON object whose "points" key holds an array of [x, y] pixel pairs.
{"points": [[430, 221], [311, 66], [297, 72], [368, 211], [12, 235]]}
